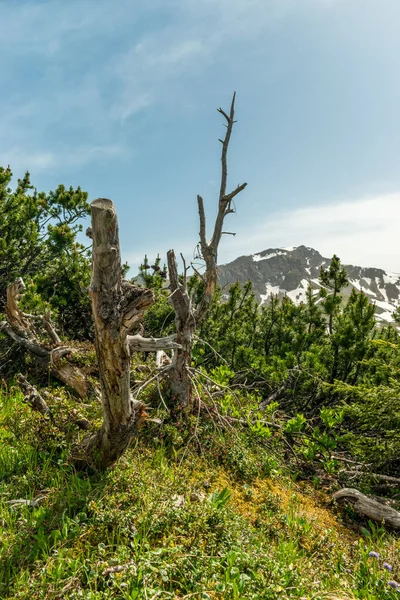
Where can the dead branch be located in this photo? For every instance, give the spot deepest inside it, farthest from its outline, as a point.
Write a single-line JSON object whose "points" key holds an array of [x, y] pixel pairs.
{"points": [[213, 410], [280, 392], [17, 319], [50, 329], [152, 377], [33, 398], [369, 508], [21, 330], [248, 422], [349, 460], [137, 343], [187, 317], [118, 569], [209, 250], [185, 270], [202, 219], [381, 478], [198, 339]]}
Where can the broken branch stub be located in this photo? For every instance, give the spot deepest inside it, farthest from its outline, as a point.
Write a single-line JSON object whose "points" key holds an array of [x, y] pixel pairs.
{"points": [[33, 398]]}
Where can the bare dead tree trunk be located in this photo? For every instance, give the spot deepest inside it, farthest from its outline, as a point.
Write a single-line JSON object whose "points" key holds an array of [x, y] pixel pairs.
{"points": [[187, 316], [21, 329], [118, 308], [179, 379]]}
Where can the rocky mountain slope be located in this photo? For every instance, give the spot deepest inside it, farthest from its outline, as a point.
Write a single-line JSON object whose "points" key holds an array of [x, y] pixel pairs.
{"points": [[288, 271]]}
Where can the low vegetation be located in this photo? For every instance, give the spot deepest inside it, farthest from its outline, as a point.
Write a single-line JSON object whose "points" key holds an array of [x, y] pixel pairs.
{"points": [[186, 513], [177, 440]]}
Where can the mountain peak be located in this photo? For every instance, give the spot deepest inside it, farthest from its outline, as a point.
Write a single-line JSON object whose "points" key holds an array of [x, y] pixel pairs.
{"points": [[288, 272]]}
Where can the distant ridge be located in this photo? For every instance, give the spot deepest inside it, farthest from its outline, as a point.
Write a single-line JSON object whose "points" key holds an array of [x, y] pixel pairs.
{"points": [[288, 271]]}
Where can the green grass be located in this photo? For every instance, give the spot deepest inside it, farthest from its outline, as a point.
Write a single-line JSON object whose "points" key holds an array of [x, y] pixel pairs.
{"points": [[224, 523]]}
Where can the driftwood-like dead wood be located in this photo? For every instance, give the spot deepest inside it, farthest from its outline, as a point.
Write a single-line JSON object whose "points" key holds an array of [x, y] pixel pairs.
{"points": [[379, 477], [137, 343], [209, 250], [37, 403], [187, 316], [369, 508], [21, 329], [33, 398], [117, 307], [179, 378]]}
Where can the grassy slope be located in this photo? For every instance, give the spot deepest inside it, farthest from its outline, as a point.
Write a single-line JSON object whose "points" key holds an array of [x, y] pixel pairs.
{"points": [[164, 513]]}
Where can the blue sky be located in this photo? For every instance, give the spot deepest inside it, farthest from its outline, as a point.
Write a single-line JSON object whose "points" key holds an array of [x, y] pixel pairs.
{"points": [[120, 98]]}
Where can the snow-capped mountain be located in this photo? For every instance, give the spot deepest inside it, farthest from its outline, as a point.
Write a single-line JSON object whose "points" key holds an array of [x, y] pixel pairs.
{"points": [[288, 271]]}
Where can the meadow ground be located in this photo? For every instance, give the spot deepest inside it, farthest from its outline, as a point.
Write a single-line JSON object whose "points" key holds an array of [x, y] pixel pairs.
{"points": [[169, 521]]}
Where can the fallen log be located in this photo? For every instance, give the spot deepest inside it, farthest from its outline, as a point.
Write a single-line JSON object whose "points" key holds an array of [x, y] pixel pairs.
{"points": [[369, 508]]}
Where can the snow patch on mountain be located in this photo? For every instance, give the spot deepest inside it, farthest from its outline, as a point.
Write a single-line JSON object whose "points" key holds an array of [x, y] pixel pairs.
{"points": [[391, 278], [258, 257], [288, 272], [270, 290]]}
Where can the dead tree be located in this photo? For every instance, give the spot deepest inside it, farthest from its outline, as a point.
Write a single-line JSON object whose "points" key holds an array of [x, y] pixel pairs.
{"points": [[188, 315], [118, 308], [53, 356]]}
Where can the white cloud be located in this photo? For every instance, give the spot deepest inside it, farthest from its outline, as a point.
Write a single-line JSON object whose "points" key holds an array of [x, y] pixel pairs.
{"points": [[21, 160], [201, 33], [363, 232], [149, 71], [45, 27], [157, 67]]}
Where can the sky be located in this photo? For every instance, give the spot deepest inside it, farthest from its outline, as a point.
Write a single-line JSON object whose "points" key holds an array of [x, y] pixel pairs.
{"points": [[120, 97]]}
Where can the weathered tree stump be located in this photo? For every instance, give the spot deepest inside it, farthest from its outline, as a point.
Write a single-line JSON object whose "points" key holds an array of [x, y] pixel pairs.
{"points": [[118, 308]]}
